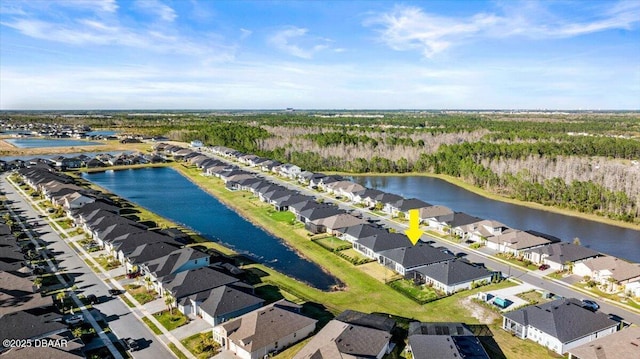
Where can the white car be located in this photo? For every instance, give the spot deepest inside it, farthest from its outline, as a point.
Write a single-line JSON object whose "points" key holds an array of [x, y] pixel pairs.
{"points": [[74, 319]]}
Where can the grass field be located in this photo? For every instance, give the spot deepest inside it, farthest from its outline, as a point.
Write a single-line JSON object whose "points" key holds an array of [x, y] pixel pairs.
{"points": [[171, 320], [201, 345]]}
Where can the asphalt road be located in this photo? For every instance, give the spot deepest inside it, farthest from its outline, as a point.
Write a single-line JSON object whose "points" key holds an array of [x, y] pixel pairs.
{"points": [[471, 255], [119, 316]]}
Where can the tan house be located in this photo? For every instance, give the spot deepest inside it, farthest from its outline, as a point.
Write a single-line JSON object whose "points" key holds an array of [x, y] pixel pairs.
{"points": [[337, 224], [515, 242], [609, 271], [622, 344], [267, 330]]}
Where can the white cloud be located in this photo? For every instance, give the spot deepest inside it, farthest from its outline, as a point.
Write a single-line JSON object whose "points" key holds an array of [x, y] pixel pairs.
{"points": [[288, 40], [155, 7], [411, 28]]}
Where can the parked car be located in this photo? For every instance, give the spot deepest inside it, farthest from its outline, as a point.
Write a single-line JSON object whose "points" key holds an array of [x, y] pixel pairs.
{"points": [[92, 299], [591, 305], [544, 267], [114, 292], [74, 319], [131, 344]]}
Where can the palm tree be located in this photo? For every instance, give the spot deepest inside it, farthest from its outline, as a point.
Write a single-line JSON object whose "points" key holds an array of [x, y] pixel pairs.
{"points": [[147, 283], [168, 300]]}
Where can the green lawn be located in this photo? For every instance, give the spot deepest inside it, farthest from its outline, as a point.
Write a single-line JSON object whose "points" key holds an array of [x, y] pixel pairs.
{"points": [[140, 293], [151, 326], [171, 320], [107, 262], [420, 293], [355, 255], [177, 351], [201, 345], [281, 216], [333, 243]]}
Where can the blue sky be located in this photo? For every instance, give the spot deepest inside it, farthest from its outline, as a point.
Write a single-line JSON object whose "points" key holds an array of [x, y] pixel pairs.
{"points": [[194, 54]]}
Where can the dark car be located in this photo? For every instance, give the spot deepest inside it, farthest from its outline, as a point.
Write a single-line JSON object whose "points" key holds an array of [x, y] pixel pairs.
{"points": [[92, 299], [131, 344], [114, 292], [544, 267], [591, 305]]}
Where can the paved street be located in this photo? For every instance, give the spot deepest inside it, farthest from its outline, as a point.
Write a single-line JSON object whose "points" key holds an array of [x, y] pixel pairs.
{"points": [[475, 256], [120, 318]]}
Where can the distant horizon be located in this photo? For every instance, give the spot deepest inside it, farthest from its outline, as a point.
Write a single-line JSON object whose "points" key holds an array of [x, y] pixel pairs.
{"points": [[160, 111], [321, 54]]}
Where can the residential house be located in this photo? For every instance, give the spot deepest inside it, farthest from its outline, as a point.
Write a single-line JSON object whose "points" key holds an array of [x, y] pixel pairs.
{"points": [[224, 303], [405, 259], [452, 276], [335, 225], [267, 330], [436, 217], [23, 325], [478, 231], [367, 197], [371, 246], [611, 272], [515, 242], [343, 340], [622, 344], [179, 260], [388, 202], [184, 284], [347, 189], [560, 325], [560, 255], [444, 341], [18, 294], [290, 171], [353, 233], [318, 212], [405, 205]]}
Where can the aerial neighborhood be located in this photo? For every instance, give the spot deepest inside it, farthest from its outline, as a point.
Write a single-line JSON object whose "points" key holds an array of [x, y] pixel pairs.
{"points": [[213, 289]]}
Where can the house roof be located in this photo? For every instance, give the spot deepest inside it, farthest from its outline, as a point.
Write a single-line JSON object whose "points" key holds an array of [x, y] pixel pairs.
{"points": [[194, 281], [149, 251], [384, 241], [43, 352], [461, 219], [342, 220], [24, 325], [454, 272], [439, 328], [170, 263], [418, 255], [364, 230], [17, 293], [445, 347], [517, 239], [620, 269], [375, 321], [129, 242], [411, 203], [622, 344], [323, 211], [226, 299], [388, 198], [564, 319], [265, 326], [435, 211], [564, 252], [343, 340]]}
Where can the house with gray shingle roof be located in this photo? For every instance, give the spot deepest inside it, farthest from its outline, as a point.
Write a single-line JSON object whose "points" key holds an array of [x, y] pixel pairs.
{"points": [[559, 325], [270, 329], [371, 246], [622, 344], [405, 259], [557, 255], [336, 224], [444, 341], [189, 282], [224, 303], [343, 340], [452, 276], [358, 231]]}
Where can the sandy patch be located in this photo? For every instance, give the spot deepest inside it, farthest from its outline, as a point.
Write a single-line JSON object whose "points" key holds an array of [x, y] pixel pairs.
{"points": [[484, 315]]}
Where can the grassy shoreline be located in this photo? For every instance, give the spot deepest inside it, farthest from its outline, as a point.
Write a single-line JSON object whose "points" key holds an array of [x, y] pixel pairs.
{"points": [[490, 195]]}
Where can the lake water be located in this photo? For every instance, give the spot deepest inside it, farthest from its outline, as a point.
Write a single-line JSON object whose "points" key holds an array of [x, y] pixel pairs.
{"points": [[169, 194], [617, 241], [46, 142]]}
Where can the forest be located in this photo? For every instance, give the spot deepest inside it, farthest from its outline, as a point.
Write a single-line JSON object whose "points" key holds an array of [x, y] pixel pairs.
{"points": [[584, 161]]}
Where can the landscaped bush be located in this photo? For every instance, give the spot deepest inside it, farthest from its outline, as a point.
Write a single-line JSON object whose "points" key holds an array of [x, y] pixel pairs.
{"points": [[419, 294]]}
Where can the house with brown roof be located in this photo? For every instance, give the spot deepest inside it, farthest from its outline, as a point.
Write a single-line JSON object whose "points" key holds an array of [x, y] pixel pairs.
{"points": [[622, 344], [479, 230], [611, 272], [515, 242], [267, 330], [558, 255], [436, 217], [335, 225]]}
